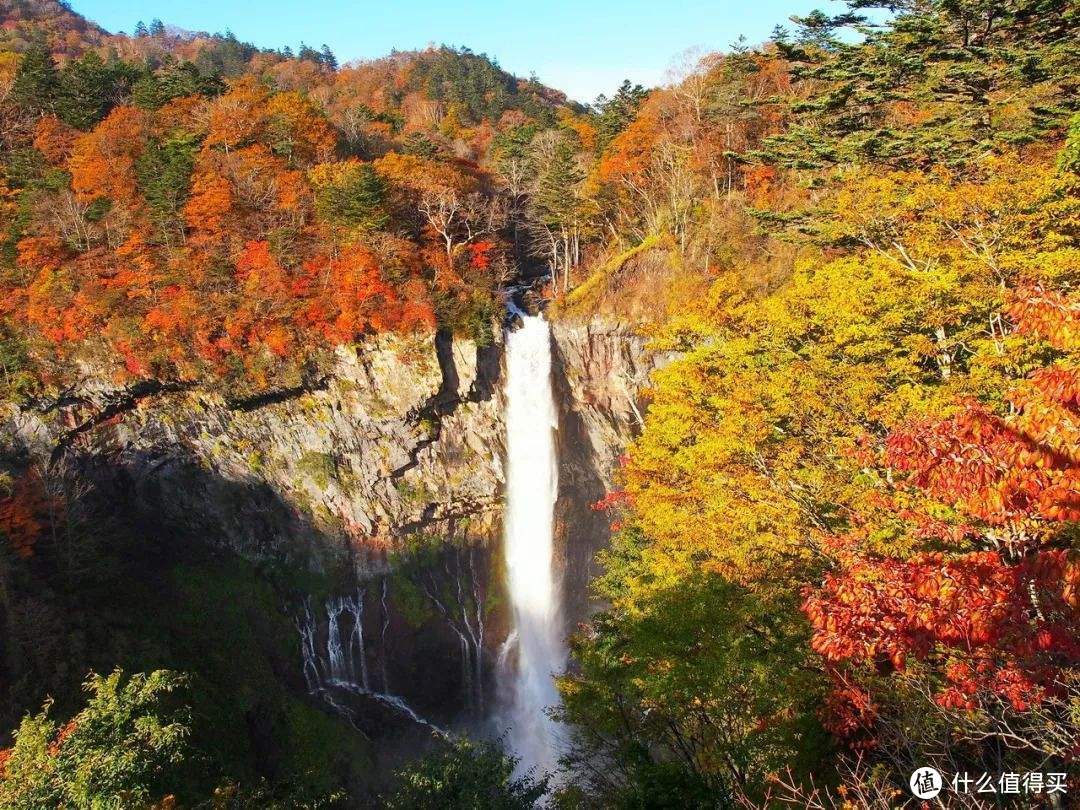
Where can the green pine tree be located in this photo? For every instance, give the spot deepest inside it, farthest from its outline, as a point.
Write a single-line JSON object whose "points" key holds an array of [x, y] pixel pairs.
{"points": [[419, 144], [327, 58], [357, 201], [36, 81], [85, 91], [164, 174], [615, 114], [554, 199], [982, 75]]}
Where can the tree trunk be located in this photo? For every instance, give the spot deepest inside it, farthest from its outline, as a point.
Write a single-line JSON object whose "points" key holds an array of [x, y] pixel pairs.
{"points": [[944, 358]]}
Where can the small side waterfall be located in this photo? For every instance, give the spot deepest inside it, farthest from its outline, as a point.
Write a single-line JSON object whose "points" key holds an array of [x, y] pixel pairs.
{"points": [[531, 489], [344, 666]]}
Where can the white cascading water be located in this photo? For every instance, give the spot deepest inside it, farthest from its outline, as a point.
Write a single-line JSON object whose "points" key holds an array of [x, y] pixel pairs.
{"points": [[531, 489], [338, 670]]}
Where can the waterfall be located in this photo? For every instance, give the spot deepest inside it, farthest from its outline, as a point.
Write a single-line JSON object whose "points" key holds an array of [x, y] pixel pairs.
{"points": [[309, 648], [531, 485], [344, 666], [333, 643]]}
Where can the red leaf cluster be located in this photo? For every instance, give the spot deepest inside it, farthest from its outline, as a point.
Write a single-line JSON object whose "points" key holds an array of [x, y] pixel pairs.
{"points": [[999, 622], [23, 515], [616, 499], [1052, 315], [480, 254], [991, 468], [1001, 628]]}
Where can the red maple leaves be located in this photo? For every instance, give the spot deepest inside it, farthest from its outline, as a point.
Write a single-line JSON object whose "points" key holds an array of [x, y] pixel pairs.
{"points": [[994, 469], [480, 254], [990, 627], [997, 622]]}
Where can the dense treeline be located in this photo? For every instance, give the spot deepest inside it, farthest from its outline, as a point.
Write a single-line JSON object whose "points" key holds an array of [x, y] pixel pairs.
{"points": [[193, 207], [847, 534]]}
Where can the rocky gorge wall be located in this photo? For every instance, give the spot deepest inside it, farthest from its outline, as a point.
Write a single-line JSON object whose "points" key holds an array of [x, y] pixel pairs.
{"points": [[601, 374], [383, 480], [386, 444]]}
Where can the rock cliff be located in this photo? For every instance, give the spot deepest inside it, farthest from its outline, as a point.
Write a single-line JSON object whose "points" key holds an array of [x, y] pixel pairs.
{"points": [[395, 439], [601, 373], [382, 479]]}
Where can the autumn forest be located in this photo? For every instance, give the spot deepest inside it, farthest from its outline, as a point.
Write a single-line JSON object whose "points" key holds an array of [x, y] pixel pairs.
{"points": [[839, 539]]}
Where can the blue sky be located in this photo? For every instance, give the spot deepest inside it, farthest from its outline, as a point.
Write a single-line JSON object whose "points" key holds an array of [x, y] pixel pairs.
{"points": [[583, 48]]}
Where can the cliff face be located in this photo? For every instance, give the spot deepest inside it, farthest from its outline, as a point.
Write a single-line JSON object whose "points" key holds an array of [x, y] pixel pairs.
{"points": [[383, 480], [397, 439], [601, 370]]}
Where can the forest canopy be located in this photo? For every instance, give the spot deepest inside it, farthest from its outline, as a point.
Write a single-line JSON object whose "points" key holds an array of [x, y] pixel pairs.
{"points": [[860, 472]]}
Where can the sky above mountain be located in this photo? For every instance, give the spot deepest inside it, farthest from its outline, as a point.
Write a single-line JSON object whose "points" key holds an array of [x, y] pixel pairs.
{"points": [[581, 48]]}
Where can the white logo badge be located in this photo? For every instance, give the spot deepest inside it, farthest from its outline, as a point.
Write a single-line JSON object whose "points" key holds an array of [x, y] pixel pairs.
{"points": [[926, 783]]}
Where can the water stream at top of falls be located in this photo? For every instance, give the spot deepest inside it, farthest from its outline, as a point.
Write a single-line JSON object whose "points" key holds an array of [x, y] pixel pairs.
{"points": [[531, 489]]}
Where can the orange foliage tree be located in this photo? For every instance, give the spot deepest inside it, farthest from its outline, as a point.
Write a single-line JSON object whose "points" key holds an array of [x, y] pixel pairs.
{"points": [[102, 166]]}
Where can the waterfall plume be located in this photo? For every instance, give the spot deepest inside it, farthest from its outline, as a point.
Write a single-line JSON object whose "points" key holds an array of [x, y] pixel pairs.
{"points": [[531, 489]]}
